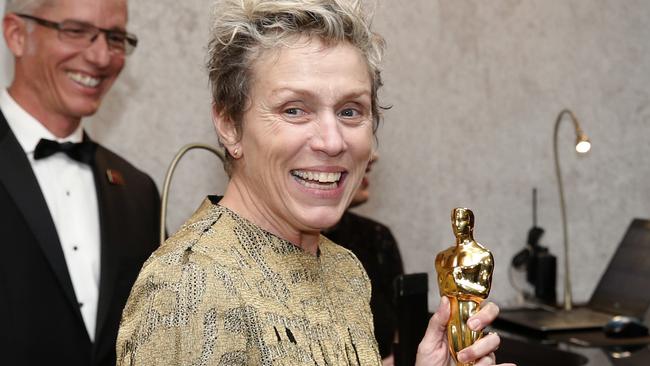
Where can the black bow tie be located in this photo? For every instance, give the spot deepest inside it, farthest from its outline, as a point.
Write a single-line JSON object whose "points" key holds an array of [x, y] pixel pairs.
{"points": [[83, 152]]}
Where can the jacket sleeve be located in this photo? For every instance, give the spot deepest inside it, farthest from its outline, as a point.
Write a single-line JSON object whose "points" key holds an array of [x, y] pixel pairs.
{"points": [[175, 315]]}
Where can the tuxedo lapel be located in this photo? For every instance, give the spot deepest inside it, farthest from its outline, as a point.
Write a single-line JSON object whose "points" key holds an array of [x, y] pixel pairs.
{"points": [[109, 212], [18, 178]]}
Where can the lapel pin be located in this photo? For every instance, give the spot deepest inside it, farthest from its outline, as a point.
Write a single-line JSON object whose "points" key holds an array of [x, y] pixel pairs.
{"points": [[114, 177]]}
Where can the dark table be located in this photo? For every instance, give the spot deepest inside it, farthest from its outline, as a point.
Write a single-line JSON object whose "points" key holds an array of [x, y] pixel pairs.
{"points": [[590, 347]]}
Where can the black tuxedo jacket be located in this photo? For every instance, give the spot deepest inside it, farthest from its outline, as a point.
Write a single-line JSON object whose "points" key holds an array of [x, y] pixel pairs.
{"points": [[40, 320]]}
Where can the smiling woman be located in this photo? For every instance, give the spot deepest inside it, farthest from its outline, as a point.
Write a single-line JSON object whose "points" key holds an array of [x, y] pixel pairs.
{"points": [[305, 139], [249, 279]]}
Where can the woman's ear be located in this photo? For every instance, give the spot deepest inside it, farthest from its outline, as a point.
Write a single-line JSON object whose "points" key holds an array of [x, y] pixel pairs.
{"points": [[14, 30], [227, 132]]}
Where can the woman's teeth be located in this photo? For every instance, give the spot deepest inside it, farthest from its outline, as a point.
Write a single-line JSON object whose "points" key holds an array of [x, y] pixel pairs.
{"points": [[320, 180]]}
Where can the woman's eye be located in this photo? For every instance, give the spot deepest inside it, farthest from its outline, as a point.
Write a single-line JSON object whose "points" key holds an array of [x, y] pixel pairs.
{"points": [[349, 113], [294, 112]]}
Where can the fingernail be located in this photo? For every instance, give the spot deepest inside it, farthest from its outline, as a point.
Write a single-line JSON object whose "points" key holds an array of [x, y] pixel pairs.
{"points": [[443, 302], [462, 357], [474, 324]]}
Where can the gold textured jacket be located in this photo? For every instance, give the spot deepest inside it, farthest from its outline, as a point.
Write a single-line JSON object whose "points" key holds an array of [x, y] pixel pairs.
{"points": [[222, 291]]}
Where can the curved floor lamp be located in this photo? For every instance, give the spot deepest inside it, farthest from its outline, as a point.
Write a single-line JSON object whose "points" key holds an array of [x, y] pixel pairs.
{"points": [[582, 146], [168, 180]]}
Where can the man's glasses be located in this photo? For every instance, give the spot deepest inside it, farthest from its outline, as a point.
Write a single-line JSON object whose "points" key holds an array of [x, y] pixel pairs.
{"points": [[83, 34]]}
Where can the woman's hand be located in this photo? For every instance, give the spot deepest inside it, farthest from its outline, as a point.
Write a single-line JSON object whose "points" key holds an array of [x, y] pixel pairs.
{"points": [[433, 350]]}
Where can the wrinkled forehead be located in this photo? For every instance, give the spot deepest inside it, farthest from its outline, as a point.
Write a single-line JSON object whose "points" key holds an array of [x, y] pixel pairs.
{"points": [[110, 14]]}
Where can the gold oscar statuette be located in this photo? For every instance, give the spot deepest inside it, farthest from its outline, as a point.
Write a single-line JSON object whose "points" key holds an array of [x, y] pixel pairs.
{"points": [[464, 276]]}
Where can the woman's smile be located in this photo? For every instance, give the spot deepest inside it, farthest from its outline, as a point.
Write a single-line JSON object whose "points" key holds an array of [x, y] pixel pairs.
{"points": [[317, 179]]}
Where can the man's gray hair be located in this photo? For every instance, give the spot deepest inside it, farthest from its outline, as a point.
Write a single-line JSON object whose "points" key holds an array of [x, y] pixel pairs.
{"points": [[24, 6]]}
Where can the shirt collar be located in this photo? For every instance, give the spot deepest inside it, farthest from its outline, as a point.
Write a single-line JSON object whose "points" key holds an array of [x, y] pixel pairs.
{"points": [[27, 129]]}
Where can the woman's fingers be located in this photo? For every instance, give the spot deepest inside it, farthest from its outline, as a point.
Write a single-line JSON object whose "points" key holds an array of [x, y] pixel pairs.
{"points": [[433, 348], [437, 328], [440, 319], [488, 360], [436, 334], [480, 349], [484, 317]]}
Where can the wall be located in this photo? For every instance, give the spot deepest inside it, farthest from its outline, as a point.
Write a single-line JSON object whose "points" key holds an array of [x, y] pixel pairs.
{"points": [[6, 62], [475, 88]]}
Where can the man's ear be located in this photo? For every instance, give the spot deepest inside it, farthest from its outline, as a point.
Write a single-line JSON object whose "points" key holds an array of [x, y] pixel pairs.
{"points": [[226, 129], [15, 33]]}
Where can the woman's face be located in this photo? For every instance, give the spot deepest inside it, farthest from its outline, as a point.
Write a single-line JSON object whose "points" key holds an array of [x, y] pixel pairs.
{"points": [[306, 136]]}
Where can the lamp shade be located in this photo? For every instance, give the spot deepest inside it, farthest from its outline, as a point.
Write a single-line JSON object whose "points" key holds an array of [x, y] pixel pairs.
{"points": [[583, 145]]}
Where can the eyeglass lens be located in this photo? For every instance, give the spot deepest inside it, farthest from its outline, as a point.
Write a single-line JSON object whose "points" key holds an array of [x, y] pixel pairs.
{"points": [[84, 34]]}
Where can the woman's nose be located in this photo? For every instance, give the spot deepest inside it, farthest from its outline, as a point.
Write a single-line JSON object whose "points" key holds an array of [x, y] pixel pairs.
{"points": [[329, 137]]}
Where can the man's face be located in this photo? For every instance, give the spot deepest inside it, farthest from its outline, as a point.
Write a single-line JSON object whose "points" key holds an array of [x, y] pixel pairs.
{"points": [[67, 80]]}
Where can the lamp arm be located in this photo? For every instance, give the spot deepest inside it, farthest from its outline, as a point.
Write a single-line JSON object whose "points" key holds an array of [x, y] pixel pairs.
{"points": [[168, 179], [574, 119], [565, 232]]}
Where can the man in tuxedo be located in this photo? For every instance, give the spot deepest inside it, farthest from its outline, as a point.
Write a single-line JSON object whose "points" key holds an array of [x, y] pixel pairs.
{"points": [[76, 220]]}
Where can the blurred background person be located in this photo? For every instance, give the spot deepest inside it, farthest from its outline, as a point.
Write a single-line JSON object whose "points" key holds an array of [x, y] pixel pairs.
{"points": [[376, 248], [78, 221]]}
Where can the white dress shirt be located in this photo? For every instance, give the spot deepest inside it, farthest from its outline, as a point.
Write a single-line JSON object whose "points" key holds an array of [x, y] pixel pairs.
{"points": [[69, 190]]}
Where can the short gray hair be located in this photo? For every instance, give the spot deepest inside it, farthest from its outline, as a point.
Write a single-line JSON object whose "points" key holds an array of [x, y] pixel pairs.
{"points": [[243, 28], [25, 6]]}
